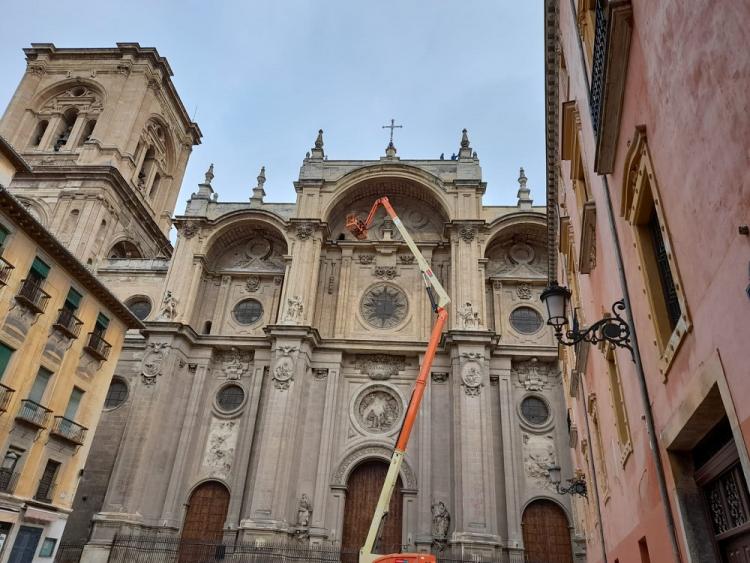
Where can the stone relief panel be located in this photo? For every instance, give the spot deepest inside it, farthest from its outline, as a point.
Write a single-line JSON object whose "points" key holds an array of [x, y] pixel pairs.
{"points": [[378, 409], [221, 443], [156, 353], [521, 254], [283, 371], [534, 375], [380, 366], [539, 453], [471, 373], [259, 251], [233, 364]]}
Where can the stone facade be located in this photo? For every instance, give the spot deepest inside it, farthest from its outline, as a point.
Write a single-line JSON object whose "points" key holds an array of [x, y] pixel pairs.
{"points": [[280, 351]]}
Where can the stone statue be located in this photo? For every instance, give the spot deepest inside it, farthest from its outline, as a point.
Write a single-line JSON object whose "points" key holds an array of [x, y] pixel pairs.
{"points": [[304, 511], [469, 317], [294, 309], [441, 521], [169, 306]]}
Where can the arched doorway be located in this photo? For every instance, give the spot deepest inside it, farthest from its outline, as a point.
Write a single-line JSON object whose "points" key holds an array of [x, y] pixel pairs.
{"points": [[204, 522], [362, 492], [546, 535]]}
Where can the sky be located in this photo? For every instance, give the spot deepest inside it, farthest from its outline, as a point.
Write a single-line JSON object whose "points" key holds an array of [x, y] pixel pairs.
{"points": [[261, 77]]}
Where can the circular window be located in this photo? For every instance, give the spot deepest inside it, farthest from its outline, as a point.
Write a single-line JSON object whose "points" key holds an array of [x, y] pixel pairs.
{"points": [[118, 392], [526, 320], [230, 398], [140, 307], [384, 306], [535, 410], [248, 311]]}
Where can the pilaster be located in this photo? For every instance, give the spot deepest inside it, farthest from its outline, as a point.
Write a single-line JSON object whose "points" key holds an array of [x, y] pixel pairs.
{"points": [[301, 280]]}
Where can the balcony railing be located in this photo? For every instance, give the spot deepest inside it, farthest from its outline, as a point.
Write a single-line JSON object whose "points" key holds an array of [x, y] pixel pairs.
{"points": [[97, 346], [5, 394], [33, 413], [8, 480], [5, 269], [68, 323], [68, 430], [598, 64], [32, 295], [45, 492]]}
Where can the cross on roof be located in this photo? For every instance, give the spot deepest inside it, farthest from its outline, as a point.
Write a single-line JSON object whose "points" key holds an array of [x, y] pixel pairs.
{"points": [[392, 126]]}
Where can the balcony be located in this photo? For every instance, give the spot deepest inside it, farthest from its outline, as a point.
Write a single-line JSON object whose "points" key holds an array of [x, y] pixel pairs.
{"points": [[32, 295], [68, 430], [33, 414], [68, 323], [8, 480], [97, 346], [5, 394], [45, 492], [5, 269]]}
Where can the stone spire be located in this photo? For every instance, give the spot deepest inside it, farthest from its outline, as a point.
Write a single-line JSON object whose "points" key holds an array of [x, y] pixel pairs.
{"points": [[258, 192], [465, 150], [205, 191], [317, 150], [524, 193]]}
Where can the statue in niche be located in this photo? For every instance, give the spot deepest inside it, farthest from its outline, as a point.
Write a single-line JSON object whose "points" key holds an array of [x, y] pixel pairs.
{"points": [[294, 310], [304, 511], [469, 317], [441, 521]]}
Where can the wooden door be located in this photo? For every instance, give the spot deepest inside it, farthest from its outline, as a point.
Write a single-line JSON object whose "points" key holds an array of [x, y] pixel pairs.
{"points": [[546, 535], [24, 547], [362, 492], [203, 528]]}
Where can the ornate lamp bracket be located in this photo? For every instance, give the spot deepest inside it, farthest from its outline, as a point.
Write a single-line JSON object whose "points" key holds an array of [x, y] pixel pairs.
{"points": [[614, 330]]}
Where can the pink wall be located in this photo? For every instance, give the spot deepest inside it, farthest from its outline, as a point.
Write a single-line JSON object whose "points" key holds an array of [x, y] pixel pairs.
{"points": [[688, 82]]}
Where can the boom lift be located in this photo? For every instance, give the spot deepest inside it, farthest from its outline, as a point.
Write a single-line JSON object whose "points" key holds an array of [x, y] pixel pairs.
{"points": [[439, 300]]}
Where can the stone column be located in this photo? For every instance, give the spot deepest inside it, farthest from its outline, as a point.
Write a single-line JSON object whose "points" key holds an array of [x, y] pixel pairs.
{"points": [[273, 491], [475, 523]]}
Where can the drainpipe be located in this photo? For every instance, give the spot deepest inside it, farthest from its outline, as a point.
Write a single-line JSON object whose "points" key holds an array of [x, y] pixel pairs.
{"points": [[649, 415]]}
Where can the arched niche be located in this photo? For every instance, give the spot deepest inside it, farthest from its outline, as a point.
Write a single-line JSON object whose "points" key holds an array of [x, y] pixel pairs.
{"points": [[124, 249], [80, 93], [417, 205], [517, 249], [247, 246]]}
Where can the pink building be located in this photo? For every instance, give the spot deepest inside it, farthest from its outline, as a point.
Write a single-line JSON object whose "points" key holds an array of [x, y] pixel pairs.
{"points": [[648, 185]]}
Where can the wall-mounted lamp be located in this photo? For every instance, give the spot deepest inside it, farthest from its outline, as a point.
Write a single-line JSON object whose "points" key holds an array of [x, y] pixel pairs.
{"points": [[614, 330], [577, 485]]}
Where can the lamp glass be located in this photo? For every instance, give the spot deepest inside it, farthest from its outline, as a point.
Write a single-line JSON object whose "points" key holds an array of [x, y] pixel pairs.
{"points": [[556, 300]]}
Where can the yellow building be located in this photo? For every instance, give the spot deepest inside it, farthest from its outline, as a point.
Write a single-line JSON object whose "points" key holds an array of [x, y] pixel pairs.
{"points": [[61, 332]]}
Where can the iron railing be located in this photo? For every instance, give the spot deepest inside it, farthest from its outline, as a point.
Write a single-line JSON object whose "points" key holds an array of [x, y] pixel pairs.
{"points": [[33, 295], [33, 413], [5, 395], [69, 553], [68, 323], [97, 346], [8, 480], [5, 269], [598, 64], [68, 430], [45, 492]]}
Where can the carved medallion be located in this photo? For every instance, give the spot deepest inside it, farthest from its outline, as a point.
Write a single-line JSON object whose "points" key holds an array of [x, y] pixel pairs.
{"points": [[385, 272], [524, 291], [252, 284], [304, 231], [366, 259], [471, 373], [467, 234], [283, 371], [521, 253], [378, 409], [152, 360], [439, 376]]}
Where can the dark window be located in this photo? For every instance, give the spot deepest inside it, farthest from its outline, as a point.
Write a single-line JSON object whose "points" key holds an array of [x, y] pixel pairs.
{"points": [[118, 392], [102, 322], [48, 547], [535, 410], [39, 271], [140, 307], [47, 482], [230, 397], [73, 300], [207, 327], [3, 235], [384, 306], [248, 311], [665, 273], [5, 354], [39, 133], [526, 320]]}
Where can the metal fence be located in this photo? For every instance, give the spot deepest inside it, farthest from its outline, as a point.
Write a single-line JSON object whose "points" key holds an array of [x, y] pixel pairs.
{"points": [[160, 549]]}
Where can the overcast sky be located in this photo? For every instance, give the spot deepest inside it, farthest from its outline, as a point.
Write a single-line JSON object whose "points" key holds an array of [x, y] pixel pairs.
{"points": [[263, 77]]}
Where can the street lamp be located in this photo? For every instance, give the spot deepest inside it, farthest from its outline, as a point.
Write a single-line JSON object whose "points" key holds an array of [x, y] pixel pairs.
{"points": [[614, 330], [577, 483]]}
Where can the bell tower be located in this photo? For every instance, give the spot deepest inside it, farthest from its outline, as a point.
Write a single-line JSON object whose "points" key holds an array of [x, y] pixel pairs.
{"points": [[108, 140]]}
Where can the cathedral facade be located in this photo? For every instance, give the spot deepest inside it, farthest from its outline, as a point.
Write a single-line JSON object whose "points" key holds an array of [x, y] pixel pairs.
{"points": [[266, 394]]}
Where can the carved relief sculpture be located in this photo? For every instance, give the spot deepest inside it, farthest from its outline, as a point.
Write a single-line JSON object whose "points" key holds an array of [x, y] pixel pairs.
{"points": [[235, 364], [294, 310], [469, 318], [524, 291], [439, 376], [471, 373], [169, 306], [304, 231], [283, 372], [378, 409], [304, 511], [252, 284], [539, 454], [380, 366], [467, 234], [441, 521], [152, 360], [385, 272], [533, 375]]}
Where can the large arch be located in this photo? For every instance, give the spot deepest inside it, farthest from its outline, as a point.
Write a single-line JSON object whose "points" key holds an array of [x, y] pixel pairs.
{"points": [[361, 454], [54, 90]]}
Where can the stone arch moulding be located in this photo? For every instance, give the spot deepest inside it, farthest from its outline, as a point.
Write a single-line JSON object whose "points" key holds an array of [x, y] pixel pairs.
{"points": [[553, 500], [37, 208], [228, 230], [371, 451], [203, 481], [58, 88], [430, 183], [169, 146], [506, 224]]}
